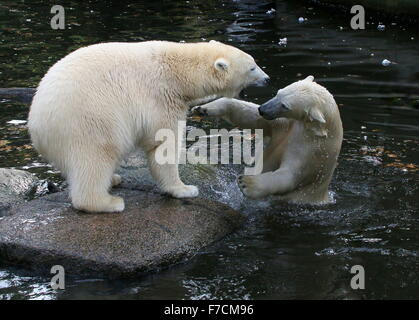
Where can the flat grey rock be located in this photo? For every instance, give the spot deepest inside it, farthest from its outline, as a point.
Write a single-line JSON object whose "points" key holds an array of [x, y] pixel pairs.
{"points": [[154, 232]]}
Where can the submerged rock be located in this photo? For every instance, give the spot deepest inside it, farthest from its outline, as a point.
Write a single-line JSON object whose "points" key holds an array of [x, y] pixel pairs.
{"points": [[153, 232], [23, 95]]}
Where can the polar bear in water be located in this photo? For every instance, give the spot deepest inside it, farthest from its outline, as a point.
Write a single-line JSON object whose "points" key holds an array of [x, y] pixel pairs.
{"points": [[305, 130]]}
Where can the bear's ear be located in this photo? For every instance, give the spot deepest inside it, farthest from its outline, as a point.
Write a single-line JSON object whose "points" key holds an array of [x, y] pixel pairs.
{"points": [[213, 41], [316, 115], [221, 64], [309, 78]]}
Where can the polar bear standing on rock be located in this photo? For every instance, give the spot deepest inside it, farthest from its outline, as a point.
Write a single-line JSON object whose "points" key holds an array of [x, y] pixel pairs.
{"points": [[102, 101], [305, 131]]}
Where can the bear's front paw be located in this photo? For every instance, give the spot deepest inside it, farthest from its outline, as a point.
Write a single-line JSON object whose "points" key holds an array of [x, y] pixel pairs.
{"points": [[116, 205], [251, 187], [210, 110], [106, 203], [184, 191]]}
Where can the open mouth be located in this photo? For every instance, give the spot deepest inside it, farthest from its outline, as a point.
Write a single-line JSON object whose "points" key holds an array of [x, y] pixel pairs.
{"points": [[240, 95], [259, 84]]}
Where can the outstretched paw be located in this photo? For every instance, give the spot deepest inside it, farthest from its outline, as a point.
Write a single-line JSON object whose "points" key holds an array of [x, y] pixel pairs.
{"points": [[200, 110], [216, 108], [251, 186]]}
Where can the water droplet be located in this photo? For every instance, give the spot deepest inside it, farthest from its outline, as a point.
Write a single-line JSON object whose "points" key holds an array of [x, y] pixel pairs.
{"points": [[381, 27], [283, 42], [16, 122], [301, 19], [386, 62]]}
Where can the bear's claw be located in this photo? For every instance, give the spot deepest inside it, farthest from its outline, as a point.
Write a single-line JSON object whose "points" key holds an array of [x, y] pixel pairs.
{"points": [[116, 180], [242, 185], [200, 111]]}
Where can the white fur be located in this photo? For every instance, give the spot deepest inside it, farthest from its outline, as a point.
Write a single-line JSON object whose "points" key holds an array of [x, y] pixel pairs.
{"points": [[102, 101], [299, 160]]}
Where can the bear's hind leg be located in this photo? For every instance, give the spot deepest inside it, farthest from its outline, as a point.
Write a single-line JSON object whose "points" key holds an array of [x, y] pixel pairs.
{"points": [[278, 182], [89, 185]]}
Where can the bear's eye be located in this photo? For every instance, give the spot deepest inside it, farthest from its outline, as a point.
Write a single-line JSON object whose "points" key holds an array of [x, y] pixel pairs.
{"points": [[252, 68]]}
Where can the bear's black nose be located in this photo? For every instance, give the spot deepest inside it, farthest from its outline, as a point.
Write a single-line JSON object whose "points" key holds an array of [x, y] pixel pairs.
{"points": [[266, 80], [261, 112]]}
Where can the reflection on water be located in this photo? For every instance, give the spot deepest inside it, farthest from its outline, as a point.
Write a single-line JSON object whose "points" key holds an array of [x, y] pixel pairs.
{"points": [[284, 251], [13, 286]]}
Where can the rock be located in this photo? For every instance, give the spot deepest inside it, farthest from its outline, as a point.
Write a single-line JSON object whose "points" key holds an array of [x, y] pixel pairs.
{"points": [[212, 181], [153, 232], [16, 186], [23, 95], [215, 182]]}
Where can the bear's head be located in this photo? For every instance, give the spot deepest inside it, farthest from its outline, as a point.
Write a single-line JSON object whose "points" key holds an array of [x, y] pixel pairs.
{"points": [[235, 70], [304, 100]]}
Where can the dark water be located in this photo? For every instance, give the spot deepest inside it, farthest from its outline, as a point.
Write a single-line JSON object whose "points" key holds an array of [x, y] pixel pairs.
{"points": [[284, 251]]}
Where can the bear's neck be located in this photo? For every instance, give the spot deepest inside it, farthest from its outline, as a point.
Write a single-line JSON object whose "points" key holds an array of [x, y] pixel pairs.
{"points": [[191, 73]]}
